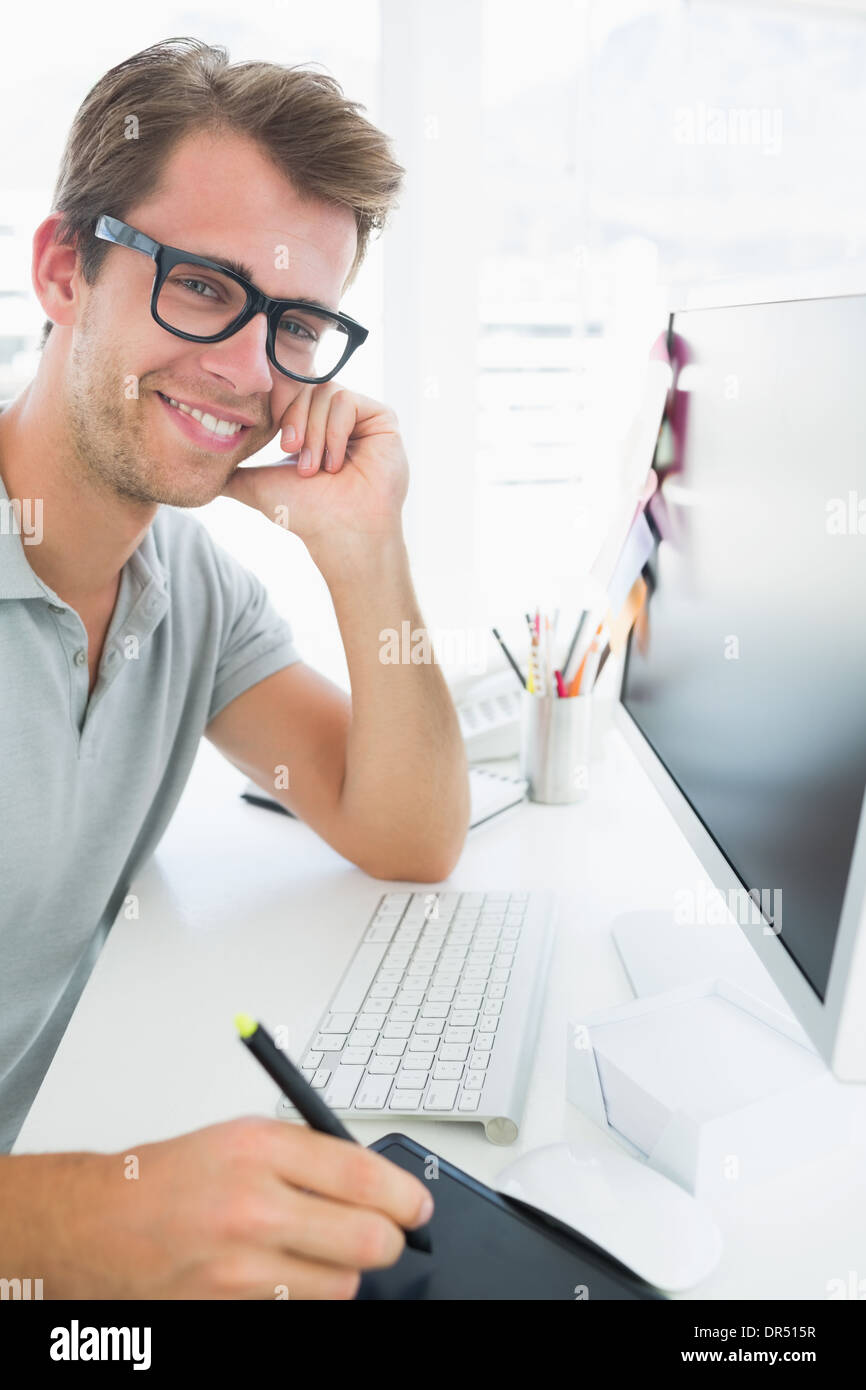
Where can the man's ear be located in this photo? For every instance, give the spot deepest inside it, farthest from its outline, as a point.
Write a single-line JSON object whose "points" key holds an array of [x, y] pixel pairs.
{"points": [[54, 272]]}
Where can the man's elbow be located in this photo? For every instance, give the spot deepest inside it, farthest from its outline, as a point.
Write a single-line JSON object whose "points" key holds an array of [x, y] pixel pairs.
{"points": [[423, 863]]}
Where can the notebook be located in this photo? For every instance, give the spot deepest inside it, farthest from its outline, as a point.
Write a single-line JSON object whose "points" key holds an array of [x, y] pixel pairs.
{"points": [[491, 793]]}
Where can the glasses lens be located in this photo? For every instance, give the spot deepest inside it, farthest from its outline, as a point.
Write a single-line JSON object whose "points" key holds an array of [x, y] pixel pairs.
{"points": [[200, 301], [309, 344]]}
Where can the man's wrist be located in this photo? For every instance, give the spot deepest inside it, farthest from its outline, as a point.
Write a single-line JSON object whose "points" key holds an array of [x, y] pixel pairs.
{"points": [[350, 558]]}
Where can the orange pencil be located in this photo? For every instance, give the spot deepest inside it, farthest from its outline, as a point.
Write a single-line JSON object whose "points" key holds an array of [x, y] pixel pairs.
{"points": [[574, 688]]}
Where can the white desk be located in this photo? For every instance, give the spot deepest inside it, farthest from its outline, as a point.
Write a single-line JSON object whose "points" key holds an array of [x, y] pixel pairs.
{"points": [[244, 910]]}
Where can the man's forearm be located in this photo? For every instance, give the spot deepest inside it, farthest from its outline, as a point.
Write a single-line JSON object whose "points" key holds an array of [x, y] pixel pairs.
{"points": [[405, 792]]}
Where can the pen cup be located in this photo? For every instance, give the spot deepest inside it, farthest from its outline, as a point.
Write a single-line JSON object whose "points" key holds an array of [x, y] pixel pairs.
{"points": [[555, 746]]}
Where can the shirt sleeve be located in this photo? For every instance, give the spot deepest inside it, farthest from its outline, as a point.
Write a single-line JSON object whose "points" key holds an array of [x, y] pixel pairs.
{"points": [[256, 640]]}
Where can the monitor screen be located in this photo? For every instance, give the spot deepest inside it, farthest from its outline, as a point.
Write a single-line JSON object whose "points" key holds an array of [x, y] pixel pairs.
{"points": [[747, 672]]}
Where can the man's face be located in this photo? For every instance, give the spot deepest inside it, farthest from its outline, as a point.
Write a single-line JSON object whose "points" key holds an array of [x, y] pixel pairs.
{"points": [[219, 197]]}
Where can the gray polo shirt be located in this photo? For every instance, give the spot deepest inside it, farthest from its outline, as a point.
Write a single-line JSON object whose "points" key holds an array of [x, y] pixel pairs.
{"points": [[88, 785]]}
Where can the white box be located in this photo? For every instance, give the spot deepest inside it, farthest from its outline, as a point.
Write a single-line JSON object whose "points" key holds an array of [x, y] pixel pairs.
{"points": [[707, 1083]]}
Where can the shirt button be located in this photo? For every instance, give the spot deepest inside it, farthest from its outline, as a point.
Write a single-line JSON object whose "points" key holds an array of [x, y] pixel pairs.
{"points": [[56, 608], [80, 657]]}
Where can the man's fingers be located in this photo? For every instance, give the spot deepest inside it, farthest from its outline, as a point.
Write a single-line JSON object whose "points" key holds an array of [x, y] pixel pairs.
{"points": [[281, 1217], [261, 1274], [348, 1172], [294, 418]]}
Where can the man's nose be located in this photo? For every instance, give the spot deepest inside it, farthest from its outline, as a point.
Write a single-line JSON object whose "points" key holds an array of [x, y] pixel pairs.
{"points": [[242, 359]]}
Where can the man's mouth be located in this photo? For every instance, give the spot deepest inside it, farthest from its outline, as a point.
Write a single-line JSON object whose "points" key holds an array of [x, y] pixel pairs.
{"points": [[209, 431]]}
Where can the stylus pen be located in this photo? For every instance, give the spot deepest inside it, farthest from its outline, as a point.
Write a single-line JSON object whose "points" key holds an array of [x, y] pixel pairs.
{"points": [[298, 1090]]}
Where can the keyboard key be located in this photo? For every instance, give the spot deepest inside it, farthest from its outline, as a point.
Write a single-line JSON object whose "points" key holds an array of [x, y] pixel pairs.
{"points": [[321, 1077], [453, 1052], [499, 977], [383, 1066], [405, 1100], [308, 1072], [401, 1014], [431, 1026], [441, 1095], [423, 1044], [371, 1020], [382, 931], [493, 1006], [411, 998], [363, 1037], [447, 1071], [474, 1080], [468, 1001], [352, 991], [461, 1017], [356, 1055], [469, 1100], [312, 1059], [328, 1042], [397, 1030], [440, 996], [487, 1024], [435, 1011], [338, 1023], [417, 1062], [383, 992], [389, 977], [458, 1035], [373, 1093], [484, 1042], [391, 1047], [478, 1060], [344, 1083], [496, 991]]}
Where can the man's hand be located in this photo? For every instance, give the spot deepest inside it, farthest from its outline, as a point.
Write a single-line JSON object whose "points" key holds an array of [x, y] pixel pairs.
{"points": [[252, 1208], [351, 476]]}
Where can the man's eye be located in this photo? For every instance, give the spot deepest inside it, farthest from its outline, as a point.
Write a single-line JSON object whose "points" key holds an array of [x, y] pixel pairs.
{"points": [[198, 287], [296, 329]]}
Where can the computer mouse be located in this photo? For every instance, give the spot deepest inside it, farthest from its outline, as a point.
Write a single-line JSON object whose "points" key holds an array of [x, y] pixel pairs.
{"points": [[642, 1218]]}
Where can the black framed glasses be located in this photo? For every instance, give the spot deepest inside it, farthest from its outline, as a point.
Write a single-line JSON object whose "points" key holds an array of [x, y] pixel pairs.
{"points": [[205, 302]]}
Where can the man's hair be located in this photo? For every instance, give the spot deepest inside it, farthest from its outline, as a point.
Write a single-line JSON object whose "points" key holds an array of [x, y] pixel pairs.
{"points": [[299, 116]]}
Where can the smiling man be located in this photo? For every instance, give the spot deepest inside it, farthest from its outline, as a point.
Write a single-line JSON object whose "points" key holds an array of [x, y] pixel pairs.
{"points": [[207, 220]]}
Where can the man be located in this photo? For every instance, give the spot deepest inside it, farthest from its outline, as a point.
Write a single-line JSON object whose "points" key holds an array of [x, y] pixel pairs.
{"points": [[195, 198]]}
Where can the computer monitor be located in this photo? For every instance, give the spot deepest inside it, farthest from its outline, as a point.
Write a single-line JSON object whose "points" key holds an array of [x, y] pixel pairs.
{"points": [[744, 684]]}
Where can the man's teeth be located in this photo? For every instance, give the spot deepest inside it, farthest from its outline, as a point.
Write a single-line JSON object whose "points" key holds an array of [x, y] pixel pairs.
{"points": [[210, 422]]}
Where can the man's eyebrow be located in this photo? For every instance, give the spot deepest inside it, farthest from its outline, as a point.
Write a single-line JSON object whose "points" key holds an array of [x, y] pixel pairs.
{"points": [[244, 271]]}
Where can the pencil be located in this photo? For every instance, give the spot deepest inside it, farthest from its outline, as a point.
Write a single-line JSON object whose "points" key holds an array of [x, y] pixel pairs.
{"points": [[295, 1086], [574, 641], [517, 671]]}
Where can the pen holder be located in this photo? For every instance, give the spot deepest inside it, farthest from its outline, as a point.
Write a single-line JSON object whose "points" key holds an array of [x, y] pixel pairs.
{"points": [[555, 746]]}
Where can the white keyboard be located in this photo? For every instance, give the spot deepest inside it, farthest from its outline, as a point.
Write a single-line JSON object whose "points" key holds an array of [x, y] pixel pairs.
{"points": [[438, 1011]]}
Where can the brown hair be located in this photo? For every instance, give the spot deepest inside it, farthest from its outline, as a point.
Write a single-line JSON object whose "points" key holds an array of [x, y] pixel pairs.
{"points": [[299, 116]]}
